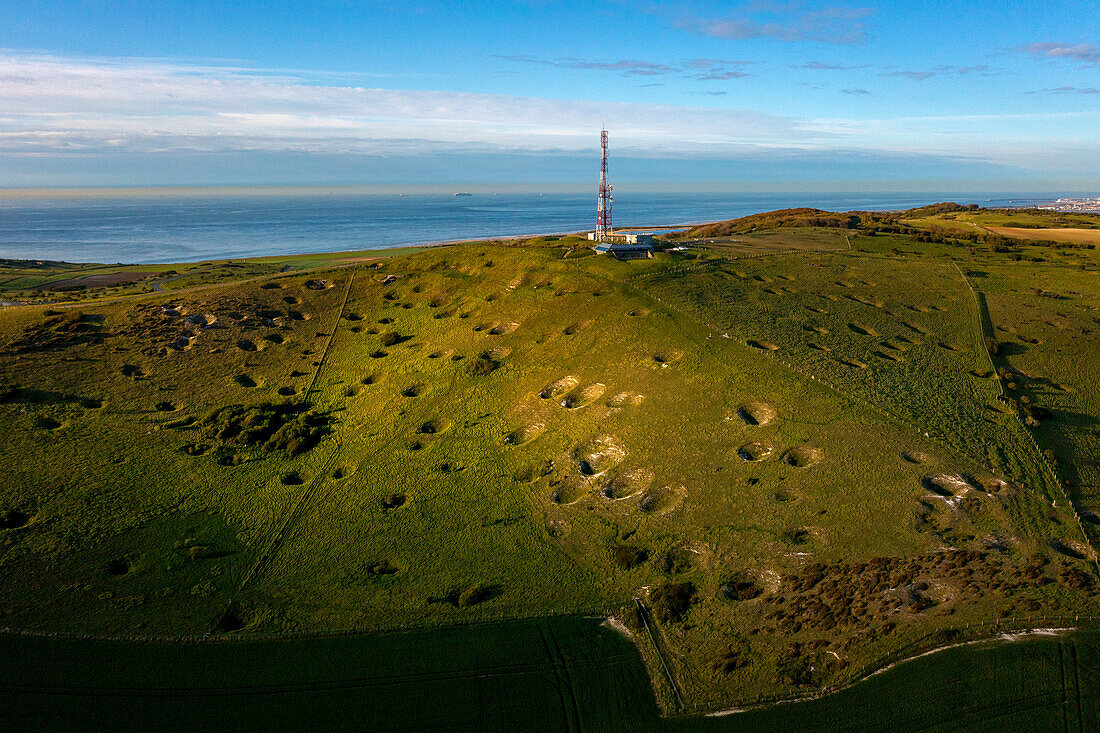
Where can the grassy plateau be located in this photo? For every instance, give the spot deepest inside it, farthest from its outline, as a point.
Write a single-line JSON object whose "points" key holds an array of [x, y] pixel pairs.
{"points": [[799, 448]]}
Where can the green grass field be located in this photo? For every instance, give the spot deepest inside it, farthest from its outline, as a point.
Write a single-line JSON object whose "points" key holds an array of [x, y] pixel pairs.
{"points": [[803, 448], [564, 674]]}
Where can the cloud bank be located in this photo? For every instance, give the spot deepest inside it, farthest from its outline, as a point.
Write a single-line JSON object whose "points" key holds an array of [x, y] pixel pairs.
{"points": [[50, 104]]}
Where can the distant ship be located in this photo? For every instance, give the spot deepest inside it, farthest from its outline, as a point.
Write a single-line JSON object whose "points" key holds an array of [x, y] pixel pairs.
{"points": [[463, 193]]}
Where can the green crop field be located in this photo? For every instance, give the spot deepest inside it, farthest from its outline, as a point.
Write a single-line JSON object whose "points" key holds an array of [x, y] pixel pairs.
{"points": [[806, 443], [562, 674]]}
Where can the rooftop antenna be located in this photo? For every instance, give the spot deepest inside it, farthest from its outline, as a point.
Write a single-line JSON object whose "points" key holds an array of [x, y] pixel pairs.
{"points": [[603, 204]]}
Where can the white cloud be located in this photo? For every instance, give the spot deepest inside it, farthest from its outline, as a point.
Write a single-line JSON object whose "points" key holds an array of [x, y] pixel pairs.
{"points": [[75, 106], [50, 103]]}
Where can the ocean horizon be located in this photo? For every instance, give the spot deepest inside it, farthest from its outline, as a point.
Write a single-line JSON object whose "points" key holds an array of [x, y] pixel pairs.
{"points": [[178, 225]]}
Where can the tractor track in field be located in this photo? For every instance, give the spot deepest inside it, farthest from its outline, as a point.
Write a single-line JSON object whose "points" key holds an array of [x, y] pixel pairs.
{"points": [[277, 538], [554, 661]]}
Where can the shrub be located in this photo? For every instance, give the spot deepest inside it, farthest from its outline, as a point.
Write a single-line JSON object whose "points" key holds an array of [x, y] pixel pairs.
{"points": [[628, 557], [677, 560], [671, 601], [483, 365], [290, 428]]}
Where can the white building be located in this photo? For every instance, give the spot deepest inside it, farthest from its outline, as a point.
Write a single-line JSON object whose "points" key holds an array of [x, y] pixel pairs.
{"points": [[633, 244]]}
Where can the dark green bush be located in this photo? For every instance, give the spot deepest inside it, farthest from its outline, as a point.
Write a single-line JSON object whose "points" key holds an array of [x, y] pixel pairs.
{"points": [[671, 601], [291, 428], [628, 557]]}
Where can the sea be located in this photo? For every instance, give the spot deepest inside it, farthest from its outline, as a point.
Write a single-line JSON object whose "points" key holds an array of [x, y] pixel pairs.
{"points": [[192, 227]]}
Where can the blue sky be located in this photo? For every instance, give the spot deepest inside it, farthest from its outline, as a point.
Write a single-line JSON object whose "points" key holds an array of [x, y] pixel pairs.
{"points": [[756, 95]]}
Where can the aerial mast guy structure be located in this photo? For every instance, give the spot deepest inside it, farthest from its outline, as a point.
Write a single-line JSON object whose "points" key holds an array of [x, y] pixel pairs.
{"points": [[603, 205], [624, 245]]}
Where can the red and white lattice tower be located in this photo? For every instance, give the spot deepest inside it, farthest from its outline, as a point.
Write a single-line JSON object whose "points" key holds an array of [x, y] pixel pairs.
{"points": [[603, 205]]}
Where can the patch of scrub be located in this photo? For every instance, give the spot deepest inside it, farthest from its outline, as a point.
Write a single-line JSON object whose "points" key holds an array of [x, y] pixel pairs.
{"points": [[392, 501], [741, 586]]}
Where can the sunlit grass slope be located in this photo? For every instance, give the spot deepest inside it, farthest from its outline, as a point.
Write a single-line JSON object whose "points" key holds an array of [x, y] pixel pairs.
{"points": [[798, 460]]}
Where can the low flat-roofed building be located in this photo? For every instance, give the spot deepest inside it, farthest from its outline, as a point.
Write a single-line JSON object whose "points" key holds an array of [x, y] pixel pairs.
{"points": [[634, 244]]}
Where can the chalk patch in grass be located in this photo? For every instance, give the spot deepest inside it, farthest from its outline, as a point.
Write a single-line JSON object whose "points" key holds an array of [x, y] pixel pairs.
{"points": [[625, 399], [414, 390], [559, 387], [525, 434], [584, 396], [947, 485], [803, 456], [436, 426], [578, 327], [628, 484], [600, 454], [756, 413], [662, 499], [758, 450]]}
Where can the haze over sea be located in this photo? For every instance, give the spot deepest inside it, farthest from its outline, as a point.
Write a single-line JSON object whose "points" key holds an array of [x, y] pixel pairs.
{"points": [[189, 227]]}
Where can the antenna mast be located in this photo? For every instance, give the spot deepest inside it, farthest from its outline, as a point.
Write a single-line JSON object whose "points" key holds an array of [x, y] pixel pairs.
{"points": [[603, 205]]}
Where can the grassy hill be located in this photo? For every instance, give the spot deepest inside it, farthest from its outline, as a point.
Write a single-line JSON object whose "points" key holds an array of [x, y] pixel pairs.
{"points": [[802, 447]]}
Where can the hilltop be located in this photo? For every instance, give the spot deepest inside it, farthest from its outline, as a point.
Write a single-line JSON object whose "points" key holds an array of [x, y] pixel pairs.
{"points": [[806, 443]]}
